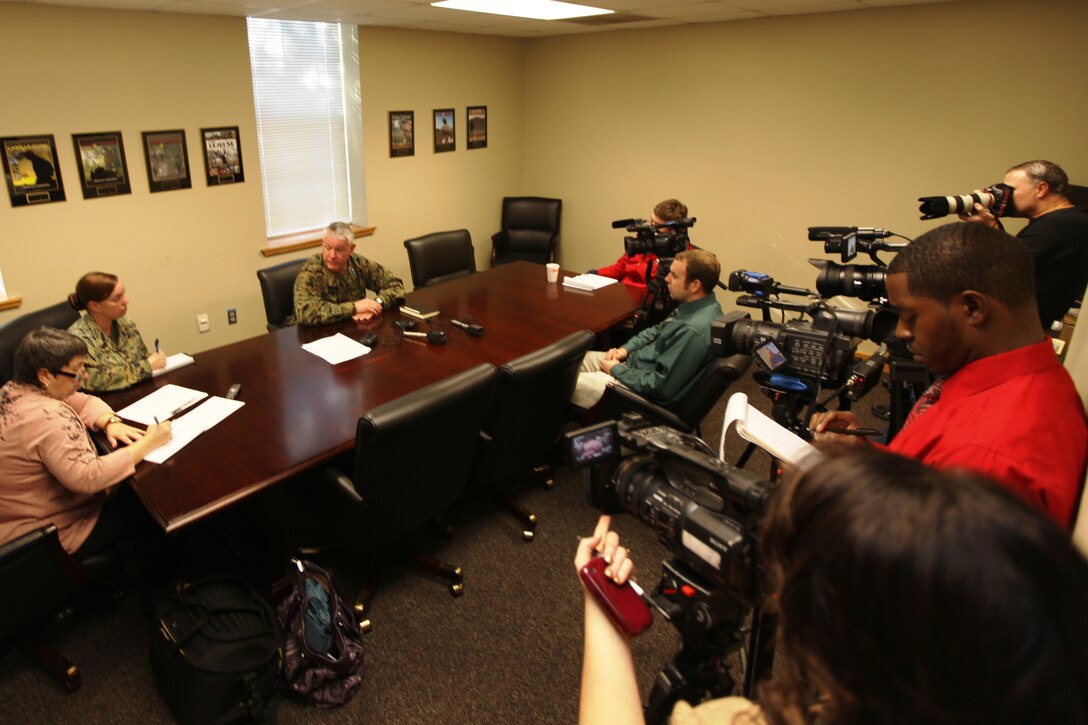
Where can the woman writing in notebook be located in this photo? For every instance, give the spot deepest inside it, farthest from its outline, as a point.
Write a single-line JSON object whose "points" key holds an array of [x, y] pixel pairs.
{"points": [[51, 471], [116, 354]]}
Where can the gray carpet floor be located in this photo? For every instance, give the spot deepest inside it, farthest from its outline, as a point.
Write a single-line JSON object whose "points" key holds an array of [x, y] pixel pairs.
{"points": [[508, 650]]}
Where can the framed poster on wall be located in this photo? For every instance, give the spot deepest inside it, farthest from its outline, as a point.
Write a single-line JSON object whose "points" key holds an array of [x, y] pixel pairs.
{"points": [[222, 155], [103, 170], [476, 138], [444, 137], [402, 141], [31, 170], [167, 160]]}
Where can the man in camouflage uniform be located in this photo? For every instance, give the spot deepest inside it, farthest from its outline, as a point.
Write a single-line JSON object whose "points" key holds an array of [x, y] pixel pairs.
{"points": [[113, 361], [332, 284]]}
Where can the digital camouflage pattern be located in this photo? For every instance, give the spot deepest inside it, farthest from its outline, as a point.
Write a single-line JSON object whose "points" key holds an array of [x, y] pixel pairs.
{"points": [[113, 362], [321, 296]]}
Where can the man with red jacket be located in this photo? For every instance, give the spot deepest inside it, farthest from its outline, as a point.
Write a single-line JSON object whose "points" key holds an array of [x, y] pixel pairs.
{"points": [[632, 270]]}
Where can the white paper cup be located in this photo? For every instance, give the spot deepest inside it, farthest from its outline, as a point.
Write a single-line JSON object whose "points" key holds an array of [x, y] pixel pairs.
{"points": [[553, 272]]}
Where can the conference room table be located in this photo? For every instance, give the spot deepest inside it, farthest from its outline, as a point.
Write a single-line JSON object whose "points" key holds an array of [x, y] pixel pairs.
{"points": [[300, 411]]}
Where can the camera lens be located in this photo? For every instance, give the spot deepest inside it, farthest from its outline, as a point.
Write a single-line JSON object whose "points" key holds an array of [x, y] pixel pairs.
{"points": [[866, 282]]}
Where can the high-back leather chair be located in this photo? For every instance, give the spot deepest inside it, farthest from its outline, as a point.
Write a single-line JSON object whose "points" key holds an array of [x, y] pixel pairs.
{"points": [[413, 457], [60, 316], [530, 230], [686, 415], [531, 403], [278, 291], [440, 257], [40, 581]]}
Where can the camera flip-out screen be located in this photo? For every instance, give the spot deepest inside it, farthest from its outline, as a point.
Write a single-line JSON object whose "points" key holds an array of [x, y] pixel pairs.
{"points": [[769, 357], [588, 446]]}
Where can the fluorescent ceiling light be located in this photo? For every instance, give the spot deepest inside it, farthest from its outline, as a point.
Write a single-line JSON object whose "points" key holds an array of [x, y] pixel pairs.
{"points": [[535, 9]]}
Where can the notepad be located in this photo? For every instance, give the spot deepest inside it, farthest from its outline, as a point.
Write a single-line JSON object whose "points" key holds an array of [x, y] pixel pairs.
{"points": [[419, 312], [588, 282], [186, 428], [754, 426], [173, 362]]}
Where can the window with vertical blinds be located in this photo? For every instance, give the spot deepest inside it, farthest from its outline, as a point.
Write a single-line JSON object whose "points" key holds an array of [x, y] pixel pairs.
{"points": [[302, 92]]}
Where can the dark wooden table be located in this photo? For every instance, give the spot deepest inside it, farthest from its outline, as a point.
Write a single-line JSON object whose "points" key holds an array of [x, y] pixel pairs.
{"points": [[301, 411]]}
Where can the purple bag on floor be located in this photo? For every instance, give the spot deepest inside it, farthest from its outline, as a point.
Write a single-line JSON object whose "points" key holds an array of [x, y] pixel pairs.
{"points": [[323, 657]]}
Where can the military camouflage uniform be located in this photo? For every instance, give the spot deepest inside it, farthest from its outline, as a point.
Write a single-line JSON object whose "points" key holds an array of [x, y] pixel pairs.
{"points": [[321, 296], [113, 362]]}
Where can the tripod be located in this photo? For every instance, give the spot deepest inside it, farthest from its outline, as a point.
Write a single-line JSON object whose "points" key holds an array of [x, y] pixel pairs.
{"points": [[711, 626], [658, 303]]}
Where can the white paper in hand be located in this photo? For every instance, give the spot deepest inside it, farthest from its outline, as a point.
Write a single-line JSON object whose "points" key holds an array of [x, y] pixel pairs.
{"points": [[754, 426]]}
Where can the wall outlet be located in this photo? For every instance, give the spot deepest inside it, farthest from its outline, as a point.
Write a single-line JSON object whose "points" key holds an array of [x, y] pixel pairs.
{"points": [[202, 323], [232, 316]]}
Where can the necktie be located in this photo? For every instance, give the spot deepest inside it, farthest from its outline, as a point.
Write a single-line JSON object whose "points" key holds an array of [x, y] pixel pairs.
{"points": [[925, 401]]}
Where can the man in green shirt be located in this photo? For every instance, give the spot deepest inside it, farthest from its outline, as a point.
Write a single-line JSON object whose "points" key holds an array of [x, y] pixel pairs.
{"points": [[662, 361], [332, 285]]}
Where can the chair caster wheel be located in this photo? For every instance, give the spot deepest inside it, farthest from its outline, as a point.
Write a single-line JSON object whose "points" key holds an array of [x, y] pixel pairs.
{"points": [[527, 535], [549, 484], [457, 590]]}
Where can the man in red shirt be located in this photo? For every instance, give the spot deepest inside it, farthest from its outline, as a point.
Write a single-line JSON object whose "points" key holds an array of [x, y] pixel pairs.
{"points": [[1002, 405], [632, 270]]}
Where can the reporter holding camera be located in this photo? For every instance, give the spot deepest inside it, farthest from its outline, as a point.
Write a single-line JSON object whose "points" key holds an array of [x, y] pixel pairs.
{"points": [[1056, 235], [906, 595], [632, 271], [1002, 404]]}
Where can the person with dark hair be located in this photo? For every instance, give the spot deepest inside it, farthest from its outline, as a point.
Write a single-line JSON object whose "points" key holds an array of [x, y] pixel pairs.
{"points": [[662, 361], [116, 354], [332, 284], [906, 595], [1002, 404], [1056, 235], [52, 473], [637, 269]]}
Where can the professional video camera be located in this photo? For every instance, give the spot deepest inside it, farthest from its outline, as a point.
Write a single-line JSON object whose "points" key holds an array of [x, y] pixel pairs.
{"points": [[996, 198], [866, 282], [705, 512], [650, 237]]}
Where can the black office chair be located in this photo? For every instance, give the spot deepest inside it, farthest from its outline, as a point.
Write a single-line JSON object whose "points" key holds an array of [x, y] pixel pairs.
{"points": [[440, 257], [413, 457], [530, 230], [686, 415], [532, 402], [39, 583], [278, 290], [60, 316]]}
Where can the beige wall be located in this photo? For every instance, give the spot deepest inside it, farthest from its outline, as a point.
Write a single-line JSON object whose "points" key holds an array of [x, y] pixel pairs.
{"points": [[190, 251]]}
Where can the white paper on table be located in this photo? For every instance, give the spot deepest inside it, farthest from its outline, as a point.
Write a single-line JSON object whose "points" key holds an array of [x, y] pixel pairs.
{"points": [[588, 282], [190, 425], [173, 362], [754, 426], [336, 348], [161, 404]]}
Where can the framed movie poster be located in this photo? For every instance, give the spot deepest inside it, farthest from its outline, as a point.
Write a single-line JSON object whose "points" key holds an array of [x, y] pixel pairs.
{"points": [[31, 170], [103, 170], [222, 155], [402, 140], [444, 138], [167, 160], [477, 127]]}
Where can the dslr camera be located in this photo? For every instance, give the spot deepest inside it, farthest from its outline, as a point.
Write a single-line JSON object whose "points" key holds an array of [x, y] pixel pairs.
{"points": [[997, 198], [650, 237]]}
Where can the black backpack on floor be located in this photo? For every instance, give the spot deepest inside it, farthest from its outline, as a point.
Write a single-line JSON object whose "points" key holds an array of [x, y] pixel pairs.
{"points": [[217, 651]]}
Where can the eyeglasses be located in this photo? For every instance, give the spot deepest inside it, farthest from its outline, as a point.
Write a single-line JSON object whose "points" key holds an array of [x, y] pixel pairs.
{"points": [[82, 372]]}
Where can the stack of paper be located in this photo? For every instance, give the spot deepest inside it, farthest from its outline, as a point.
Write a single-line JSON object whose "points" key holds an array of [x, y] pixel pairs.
{"points": [[336, 348], [165, 403], [587, 282]]}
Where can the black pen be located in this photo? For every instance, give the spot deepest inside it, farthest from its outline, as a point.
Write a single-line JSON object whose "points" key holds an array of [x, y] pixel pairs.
{"points": [[181, 409], [853, 431], [156, 344]]}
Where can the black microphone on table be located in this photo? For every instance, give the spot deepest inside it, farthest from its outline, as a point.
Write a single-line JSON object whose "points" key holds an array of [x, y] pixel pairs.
{"points": [[470, 327], [435, 337]]}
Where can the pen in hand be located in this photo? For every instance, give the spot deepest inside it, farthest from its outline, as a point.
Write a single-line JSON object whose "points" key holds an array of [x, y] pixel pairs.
{"points": [[853, 431], [156, 344]]}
